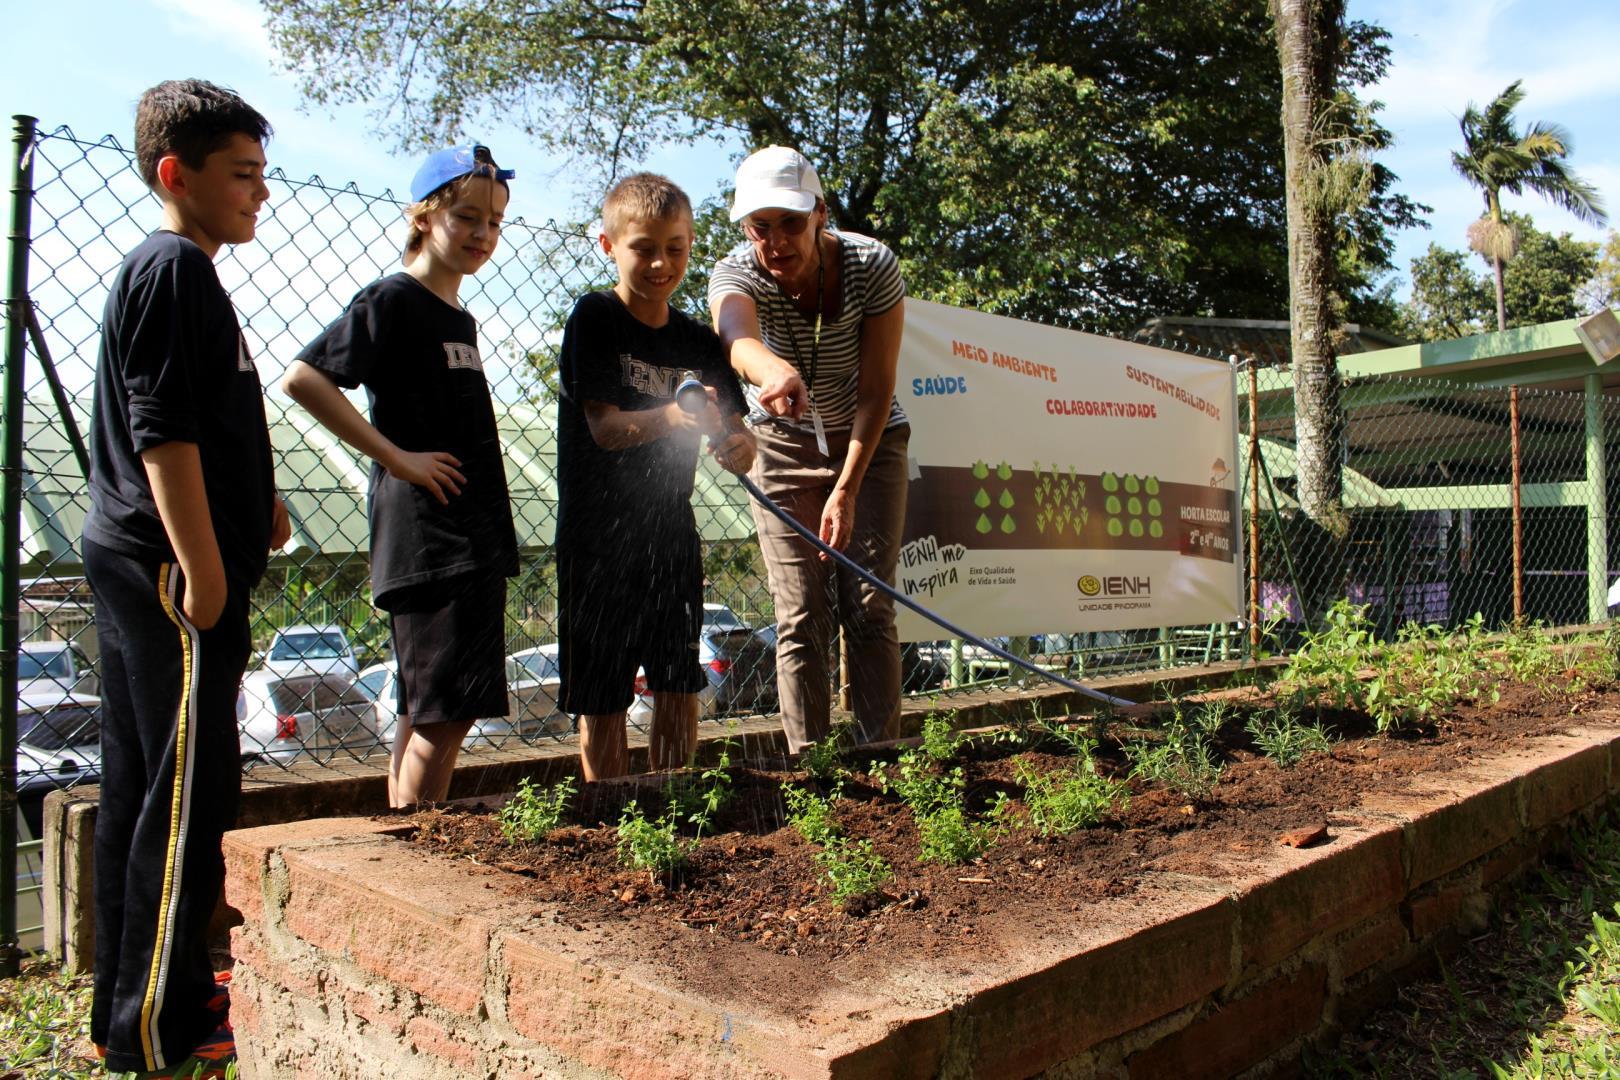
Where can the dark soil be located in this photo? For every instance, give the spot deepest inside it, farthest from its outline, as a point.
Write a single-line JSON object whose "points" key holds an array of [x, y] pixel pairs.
{"points": [[755, 882]]}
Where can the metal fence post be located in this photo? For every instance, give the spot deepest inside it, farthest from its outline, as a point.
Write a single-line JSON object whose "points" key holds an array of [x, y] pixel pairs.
{"points": [[1597, 514], [11, 411], [1518, 509]]}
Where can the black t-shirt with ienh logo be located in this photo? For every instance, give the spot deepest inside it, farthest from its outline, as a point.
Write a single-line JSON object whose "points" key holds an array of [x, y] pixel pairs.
{"points": [[613, 499], [418, 359], [174, 367]]}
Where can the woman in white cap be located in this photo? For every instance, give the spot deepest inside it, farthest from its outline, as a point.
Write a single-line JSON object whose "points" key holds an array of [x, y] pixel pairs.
{"points": [[812, 318]]}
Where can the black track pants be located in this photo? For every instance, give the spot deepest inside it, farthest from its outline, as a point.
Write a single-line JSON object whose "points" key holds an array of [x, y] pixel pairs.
{"points": [[171, 781]]}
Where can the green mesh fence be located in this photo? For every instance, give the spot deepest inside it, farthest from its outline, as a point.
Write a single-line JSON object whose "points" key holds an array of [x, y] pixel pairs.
{"points": [[1426, 478]]}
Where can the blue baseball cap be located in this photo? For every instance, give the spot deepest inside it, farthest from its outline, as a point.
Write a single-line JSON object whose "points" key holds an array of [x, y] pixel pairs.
{"points": [[443, 166]]}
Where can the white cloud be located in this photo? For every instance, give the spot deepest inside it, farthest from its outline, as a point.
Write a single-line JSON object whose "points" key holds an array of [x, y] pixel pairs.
{"points": [[238, 24]]}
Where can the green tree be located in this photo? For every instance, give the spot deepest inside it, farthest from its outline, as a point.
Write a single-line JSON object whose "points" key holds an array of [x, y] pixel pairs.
{"points": [[1068, 161], [1604, 288], [1449, 300], [1544, 282], [1552, 277], [1496, 157]]}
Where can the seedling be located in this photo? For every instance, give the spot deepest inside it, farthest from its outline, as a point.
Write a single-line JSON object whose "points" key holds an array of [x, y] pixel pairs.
{"points": [[1282, 736], [824, 760], [811, 815], [532, 812], [1186, 760], [651, 845], [852, 868], [1061, 803], [948, 836]]}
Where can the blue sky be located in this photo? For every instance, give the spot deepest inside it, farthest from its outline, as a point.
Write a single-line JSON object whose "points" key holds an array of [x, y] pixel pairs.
{"points": [[1446, 53]]}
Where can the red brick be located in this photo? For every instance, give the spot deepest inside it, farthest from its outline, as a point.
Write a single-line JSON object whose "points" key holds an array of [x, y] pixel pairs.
{"points": [[1056, 1013], [247, 853], [406, 920], [1507, 862], [1574, 776], [615, 1022], [1382, 936], [1239, 1034], [1435, 912], [1326, 889], [429, 1038], [1475, 813]]}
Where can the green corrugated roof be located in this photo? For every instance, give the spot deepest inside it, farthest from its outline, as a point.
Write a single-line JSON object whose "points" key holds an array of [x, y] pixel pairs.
{"points": [[323, 482]]}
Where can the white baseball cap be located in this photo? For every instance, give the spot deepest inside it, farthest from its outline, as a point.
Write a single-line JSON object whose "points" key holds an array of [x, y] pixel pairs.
{"points": [[777, 178]]}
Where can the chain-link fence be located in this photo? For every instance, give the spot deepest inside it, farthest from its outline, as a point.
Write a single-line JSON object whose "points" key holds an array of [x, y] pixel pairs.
{"points": [[1433, 531], [1428, 478]]}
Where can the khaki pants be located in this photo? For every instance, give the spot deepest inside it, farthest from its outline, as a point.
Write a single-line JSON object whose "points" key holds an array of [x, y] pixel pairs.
{"points": [[792, 471]]}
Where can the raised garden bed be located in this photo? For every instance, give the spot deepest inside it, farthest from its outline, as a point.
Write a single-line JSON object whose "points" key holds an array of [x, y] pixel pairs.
{"points": [[1177, 935]]}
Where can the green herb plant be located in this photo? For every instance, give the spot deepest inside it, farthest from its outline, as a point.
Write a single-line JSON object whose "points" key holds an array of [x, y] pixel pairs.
{"points": [[1185, 759], [652, 845], [532, 811], [1282, 735], [824, 760], [852, 868], [1059, 803]]}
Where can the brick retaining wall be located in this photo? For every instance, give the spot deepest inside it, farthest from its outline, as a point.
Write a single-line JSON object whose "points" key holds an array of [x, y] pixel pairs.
{"points": [[362, 956]]}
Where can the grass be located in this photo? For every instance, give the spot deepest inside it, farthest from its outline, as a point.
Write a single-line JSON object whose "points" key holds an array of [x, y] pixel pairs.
{"points": [[1536, 996], [45, 1027]]}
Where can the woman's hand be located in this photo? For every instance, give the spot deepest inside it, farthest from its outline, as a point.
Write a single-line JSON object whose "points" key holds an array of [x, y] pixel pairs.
{"points": [[435, 470], [837, 520], [783, 393]]}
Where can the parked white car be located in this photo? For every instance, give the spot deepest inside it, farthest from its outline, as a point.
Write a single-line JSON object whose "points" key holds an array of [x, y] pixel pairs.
{"points": [[311, 650], [283, 717], [54, 665], [532, 710], [58, 742]]}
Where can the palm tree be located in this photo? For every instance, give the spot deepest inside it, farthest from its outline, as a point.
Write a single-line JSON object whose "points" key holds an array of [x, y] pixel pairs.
{"points": [[1497, 158]]}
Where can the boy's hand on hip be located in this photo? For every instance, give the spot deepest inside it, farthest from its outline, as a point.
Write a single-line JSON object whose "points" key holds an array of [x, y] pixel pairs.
{"points": [[435, 470], [736, 453], [280, 524], [204, 598]]}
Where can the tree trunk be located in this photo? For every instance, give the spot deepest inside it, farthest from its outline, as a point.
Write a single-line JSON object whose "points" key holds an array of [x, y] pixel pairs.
{"points": [[1501, 301], [1308, 35]]}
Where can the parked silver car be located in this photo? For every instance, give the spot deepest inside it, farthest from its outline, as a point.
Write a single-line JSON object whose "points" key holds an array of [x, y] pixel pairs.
{"points": [[739, 661], [283, 718], [532, 709], [311, 650]]}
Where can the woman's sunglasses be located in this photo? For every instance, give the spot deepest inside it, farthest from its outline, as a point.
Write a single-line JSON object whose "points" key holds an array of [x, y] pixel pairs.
{"points": [[790, 225]]}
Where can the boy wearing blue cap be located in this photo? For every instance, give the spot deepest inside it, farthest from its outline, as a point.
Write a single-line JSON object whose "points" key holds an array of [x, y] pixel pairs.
{"points": [[182, 515], [442, 541]]}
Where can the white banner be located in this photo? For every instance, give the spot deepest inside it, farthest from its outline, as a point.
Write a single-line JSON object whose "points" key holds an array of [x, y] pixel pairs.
{"points": [[1063, 481]]}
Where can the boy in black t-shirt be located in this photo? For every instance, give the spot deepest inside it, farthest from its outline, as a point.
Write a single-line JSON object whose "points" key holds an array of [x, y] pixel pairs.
{"points": [[442, 540], [182, 513], [630, 574]]}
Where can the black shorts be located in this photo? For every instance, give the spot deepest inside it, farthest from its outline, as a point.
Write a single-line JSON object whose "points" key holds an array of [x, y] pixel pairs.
{"points": [[614, 618], [450, 644]]}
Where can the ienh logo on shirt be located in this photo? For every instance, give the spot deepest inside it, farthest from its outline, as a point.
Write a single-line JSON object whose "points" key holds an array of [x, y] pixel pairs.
{"points": [[244, 362], [461, 357], [648, 378]]}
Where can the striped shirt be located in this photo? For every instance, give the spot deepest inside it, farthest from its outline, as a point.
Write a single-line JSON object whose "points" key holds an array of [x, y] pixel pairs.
{"points": [[870, 280]]}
